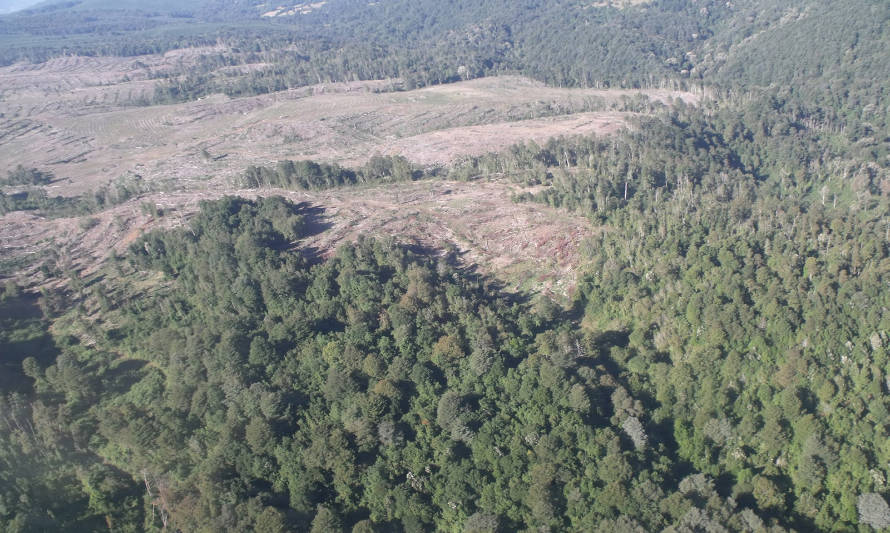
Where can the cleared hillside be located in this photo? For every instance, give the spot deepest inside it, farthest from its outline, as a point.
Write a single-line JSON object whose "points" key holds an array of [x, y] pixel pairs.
{"points": [[79, 118]]}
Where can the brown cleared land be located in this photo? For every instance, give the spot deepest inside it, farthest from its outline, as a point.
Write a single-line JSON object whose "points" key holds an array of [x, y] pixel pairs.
{"points": [[78, 118], [527, 246]]}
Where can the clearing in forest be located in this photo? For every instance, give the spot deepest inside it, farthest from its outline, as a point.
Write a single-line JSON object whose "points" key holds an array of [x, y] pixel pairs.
{"points": [[79, 118], [528, 247]]}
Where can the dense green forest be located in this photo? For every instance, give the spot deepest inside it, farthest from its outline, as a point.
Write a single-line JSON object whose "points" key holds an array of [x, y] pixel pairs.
{"points": [[722, 365], [750, 270], [255, 391]]}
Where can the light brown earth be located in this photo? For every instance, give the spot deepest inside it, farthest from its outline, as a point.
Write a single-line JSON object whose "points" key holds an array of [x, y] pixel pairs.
{"points": [[528, 246], [78, 118], [75, 116]]}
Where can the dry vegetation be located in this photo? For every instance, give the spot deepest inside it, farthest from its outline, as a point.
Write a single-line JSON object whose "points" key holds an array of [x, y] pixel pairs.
{"points": [[77, 118], [298, 9], [528, 246]]}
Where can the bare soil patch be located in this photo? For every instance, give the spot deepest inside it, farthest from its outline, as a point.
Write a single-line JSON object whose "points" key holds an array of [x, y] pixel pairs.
{"points": [[76, 116], [446, 146], [527, 246]]}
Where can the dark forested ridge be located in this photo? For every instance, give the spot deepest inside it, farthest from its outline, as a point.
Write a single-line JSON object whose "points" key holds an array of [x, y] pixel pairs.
{"points": [[820, 47], [722, 365]]}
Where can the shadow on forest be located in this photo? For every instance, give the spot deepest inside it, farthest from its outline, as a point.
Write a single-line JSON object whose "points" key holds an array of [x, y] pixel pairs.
{"points": [[314, 219], [122, 376], [603, 345], [23, 334], [470, 272], [314, 222]]}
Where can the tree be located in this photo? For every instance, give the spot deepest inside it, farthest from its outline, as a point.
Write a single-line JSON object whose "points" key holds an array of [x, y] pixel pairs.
{"points": [[578, 399], [634, 429], [767, 494], [449, 410], [873, 510], [271, 520], [325, 521], [481, 522], [363, 526]]}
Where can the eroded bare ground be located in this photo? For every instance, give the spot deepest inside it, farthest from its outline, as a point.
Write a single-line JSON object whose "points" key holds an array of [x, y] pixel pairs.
{"points": [[527, 246]]}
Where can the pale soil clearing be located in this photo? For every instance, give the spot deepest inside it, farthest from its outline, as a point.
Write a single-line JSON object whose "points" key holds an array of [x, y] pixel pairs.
{"points": [[75, 116], [449, 145], [528, 247]]}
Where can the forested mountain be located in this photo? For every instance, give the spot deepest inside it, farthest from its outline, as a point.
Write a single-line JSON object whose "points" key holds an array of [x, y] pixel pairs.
{"points": [[816, 45], [8, 6], [722, 365]]}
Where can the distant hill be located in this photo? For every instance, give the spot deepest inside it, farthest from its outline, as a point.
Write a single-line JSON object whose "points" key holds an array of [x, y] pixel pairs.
{"points": [[809, 45], [9, 6], [117, 5], [196, 7]]}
